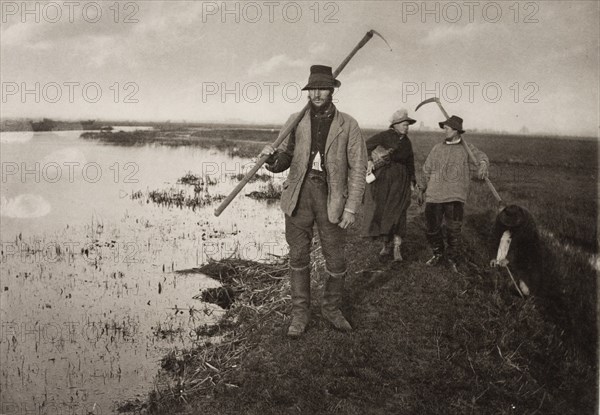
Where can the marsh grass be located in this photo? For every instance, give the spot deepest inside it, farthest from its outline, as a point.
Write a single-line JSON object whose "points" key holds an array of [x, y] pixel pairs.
{"points": [[256, 178], [179, 198], [563, 203], [426, 340], [267, 135], [269, 192], [259, 291], [249, 148], [197, 180]]}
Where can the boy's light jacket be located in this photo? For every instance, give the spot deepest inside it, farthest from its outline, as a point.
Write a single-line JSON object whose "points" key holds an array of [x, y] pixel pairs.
{"points": [[447, 172]]}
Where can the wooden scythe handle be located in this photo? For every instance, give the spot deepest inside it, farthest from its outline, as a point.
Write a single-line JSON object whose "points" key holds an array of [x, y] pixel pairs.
{"points": [[284, 133], [487, 180], [472, 157]]}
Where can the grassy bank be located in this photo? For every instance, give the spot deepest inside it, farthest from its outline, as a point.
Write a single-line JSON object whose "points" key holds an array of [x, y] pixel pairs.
{"points": [[426, 341]]}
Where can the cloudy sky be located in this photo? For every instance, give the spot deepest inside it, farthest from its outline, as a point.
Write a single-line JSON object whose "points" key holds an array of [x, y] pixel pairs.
{"points": [[501, 65]]}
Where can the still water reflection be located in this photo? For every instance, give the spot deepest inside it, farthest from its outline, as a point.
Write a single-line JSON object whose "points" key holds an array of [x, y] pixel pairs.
{"points": [[89, 300]]}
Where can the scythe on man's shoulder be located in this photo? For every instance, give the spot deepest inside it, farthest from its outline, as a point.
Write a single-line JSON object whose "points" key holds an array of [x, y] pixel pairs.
{"points": [[284, 133]]}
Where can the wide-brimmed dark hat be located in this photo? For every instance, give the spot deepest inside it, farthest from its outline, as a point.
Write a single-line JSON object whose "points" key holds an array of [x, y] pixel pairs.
{"points": [[321, 77], [453, 122], [512, 216], [400, 116]]}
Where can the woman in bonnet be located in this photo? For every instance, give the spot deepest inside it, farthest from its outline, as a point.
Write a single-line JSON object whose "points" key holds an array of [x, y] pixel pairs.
{"points": [[391, 178]]}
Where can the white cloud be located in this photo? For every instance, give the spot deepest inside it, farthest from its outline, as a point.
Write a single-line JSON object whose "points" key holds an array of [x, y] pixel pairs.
{"points": [[318, 49], [446, 34], [24, 206], [16, 34], [276, 63], [97, 50]]}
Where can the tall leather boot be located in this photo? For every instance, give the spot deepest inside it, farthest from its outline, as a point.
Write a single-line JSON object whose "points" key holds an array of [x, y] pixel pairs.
{"points": [[332, 300], [300, 290], [436, 241], [397, 246], [454, 245]]}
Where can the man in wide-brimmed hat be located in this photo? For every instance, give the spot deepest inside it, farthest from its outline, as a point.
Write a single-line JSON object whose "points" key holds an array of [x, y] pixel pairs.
{"points": [[327, 159], [444, 188]]}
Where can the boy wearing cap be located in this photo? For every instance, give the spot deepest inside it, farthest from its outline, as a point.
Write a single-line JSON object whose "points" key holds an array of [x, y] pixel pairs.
{"points": [[444, 188], [327, 161]]}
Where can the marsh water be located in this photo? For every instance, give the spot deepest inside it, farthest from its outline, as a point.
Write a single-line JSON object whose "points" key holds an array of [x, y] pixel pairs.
{"points": [[90, 299]]}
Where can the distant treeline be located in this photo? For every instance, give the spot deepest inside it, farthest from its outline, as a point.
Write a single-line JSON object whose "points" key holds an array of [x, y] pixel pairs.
{"points": [[242, 134], [24, 124]]}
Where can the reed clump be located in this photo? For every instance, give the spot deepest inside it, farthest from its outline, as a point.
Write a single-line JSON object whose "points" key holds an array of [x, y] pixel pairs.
{"points": [[259, 297], [269, 192]]}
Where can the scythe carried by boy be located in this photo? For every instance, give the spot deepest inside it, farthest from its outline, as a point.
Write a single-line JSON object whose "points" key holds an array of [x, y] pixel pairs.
{"points": [[512, 221]]}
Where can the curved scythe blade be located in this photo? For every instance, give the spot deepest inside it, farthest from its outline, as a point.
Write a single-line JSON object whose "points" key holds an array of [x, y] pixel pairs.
{"points": [[427, 101], [379, 34]]}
